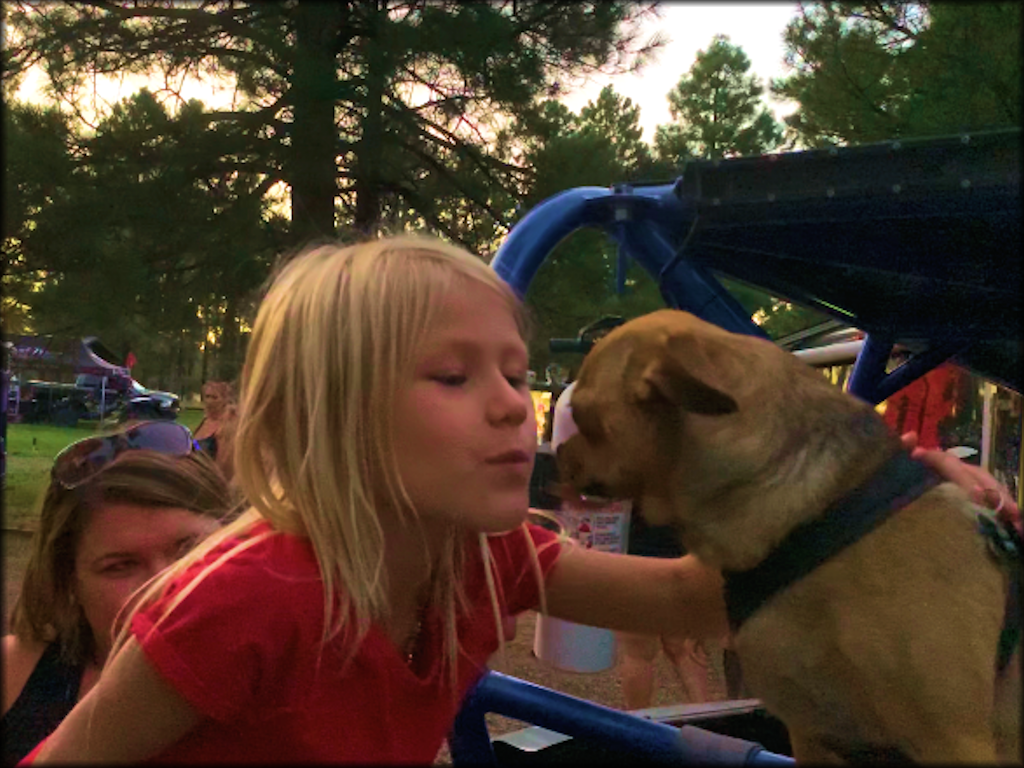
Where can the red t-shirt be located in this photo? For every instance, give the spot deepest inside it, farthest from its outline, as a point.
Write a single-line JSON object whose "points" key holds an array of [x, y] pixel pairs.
{"points": [[242, 649]]}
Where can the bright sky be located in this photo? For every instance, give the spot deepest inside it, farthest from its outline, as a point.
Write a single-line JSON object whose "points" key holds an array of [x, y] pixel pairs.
{"points": [[687, 28]]}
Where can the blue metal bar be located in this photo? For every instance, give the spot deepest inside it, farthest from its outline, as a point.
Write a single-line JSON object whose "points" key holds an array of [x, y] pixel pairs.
{"points": [[871, 383], [687, 286], [915, 367], [533, 238], [869, 370], [574, 717], [636, 219], [469, 742]]}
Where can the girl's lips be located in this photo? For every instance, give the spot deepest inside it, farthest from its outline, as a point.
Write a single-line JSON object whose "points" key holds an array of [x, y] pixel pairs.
{"points": [[510, 457]]}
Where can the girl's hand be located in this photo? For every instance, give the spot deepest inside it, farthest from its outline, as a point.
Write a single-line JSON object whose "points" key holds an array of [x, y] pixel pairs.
{"points": [[983, 489]]}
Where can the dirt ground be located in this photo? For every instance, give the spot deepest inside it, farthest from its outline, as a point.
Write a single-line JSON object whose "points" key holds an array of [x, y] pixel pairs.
{"points": [[601, 687]]}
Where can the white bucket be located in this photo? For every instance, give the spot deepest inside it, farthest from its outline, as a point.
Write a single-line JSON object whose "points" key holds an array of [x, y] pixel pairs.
{"points": [[563, 644]]}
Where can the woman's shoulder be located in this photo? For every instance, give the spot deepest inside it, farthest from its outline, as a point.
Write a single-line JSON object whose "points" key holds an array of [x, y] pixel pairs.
{"points": [[20, 658]]}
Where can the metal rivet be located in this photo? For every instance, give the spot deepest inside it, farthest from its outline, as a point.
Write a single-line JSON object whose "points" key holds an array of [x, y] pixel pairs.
{"points": [[830, 192], [771, 197], [965, 183], [965, 139], [896, 145], [896, 188], [716, 201]]}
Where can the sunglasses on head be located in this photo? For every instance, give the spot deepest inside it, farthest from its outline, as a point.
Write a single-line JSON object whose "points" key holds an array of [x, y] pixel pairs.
{"points": [[83, 459]]}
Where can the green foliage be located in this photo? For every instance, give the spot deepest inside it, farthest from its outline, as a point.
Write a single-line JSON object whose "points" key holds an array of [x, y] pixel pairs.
{"points": [[375, 116], [778, 317], [602, 145], [871, 72], [37, 164], [717, 109], [385, 109], [161, 244]]}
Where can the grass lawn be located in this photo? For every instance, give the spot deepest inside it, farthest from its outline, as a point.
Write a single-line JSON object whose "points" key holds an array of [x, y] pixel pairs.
{"points": [[31, 449]]}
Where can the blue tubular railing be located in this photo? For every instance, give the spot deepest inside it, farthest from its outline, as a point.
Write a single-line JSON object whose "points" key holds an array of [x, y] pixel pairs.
{"points": [[870, 382], [641, 220], [656, 742]]}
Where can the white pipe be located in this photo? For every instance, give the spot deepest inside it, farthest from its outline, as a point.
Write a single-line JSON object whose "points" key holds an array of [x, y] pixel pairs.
{"points": [[987, 413], [832, 354]]}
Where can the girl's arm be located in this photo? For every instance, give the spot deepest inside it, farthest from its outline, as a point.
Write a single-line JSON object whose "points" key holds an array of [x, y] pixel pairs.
{"points": [[646, 595], [685, 597], [130, 715]]}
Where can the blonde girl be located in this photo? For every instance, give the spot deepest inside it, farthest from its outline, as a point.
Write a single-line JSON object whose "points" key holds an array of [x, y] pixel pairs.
{"points": [[385, 442]]}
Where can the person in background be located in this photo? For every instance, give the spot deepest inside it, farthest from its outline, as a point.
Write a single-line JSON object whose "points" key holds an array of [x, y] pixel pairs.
{"points": [[109, 521], [216, 432], [690, 657]]}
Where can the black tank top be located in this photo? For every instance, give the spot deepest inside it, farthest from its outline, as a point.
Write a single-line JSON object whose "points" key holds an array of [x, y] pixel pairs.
{"points": [[48, 696]]}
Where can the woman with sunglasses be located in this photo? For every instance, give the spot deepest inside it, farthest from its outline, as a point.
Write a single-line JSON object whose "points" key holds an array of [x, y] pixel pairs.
{"points": [[117, 511]]}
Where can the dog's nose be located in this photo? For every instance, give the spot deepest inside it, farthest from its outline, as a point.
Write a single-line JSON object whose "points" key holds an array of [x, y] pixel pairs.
{"points": [[595, 488]]}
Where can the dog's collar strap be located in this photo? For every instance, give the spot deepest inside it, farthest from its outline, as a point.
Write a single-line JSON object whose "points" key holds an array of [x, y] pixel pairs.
{"points": [[1005, 544], [897, 482]]}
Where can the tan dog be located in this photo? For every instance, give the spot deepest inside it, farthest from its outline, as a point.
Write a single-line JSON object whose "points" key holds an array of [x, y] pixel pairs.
{"points": [[887, 649]]}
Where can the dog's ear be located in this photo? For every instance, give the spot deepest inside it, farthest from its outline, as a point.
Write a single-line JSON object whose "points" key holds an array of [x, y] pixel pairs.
{"points": [[667, 380]]}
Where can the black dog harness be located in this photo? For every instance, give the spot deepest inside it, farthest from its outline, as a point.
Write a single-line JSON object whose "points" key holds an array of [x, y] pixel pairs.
{"points": [[898, 482]]}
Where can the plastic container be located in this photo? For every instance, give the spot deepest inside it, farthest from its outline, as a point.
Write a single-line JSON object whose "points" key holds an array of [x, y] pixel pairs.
{"points": [[563, 644]]}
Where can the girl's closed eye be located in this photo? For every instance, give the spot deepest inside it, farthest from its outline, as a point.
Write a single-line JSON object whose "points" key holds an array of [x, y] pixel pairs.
{"points": [[518, 381], [185, 545], [119, 568], [450, 379]]}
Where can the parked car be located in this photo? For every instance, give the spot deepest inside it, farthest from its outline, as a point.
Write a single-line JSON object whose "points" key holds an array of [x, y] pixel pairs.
{"points": [[50, 402], [145, 403]]}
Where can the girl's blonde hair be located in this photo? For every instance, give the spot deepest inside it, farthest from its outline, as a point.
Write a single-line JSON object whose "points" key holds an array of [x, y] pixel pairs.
{"points": [[334, 338], [45, 609]]}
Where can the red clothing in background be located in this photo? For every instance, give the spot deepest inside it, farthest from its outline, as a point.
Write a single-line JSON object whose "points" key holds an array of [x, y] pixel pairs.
{"points": [[923, 404]]}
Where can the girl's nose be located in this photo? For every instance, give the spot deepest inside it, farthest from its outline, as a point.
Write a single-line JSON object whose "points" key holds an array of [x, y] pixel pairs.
{"points": [[507, 405]]}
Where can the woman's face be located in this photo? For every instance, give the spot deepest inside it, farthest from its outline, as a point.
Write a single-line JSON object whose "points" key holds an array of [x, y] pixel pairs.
{"points": [[122, 547], [213, 402]]}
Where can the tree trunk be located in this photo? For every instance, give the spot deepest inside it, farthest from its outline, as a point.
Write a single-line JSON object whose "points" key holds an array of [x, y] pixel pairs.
{"points": [[229, 365], [313, 172], [204, 370], [370, 149]]}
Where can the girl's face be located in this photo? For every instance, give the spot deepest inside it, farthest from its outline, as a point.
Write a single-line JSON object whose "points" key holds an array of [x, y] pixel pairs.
{"points": [[122, 547], [465, 431], [213, 402]]}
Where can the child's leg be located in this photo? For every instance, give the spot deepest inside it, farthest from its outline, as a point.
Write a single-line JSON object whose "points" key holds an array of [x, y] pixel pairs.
{"points": [[636, 668]]}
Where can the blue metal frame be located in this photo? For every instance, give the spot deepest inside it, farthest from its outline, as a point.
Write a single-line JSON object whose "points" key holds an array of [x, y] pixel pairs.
{"points": [[646, 222], [643, 221], [644, 739]]}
